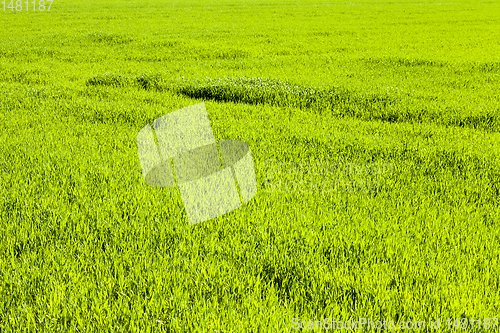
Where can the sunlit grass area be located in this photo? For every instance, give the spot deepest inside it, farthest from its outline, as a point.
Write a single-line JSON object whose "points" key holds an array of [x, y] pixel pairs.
{"points": [[374, 132]]}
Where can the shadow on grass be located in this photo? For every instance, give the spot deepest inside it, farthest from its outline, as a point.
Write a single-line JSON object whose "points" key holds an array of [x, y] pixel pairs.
{"points": [[334, 101]]}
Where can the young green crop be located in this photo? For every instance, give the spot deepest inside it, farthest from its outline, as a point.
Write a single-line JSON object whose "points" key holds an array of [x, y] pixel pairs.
{"points": [[374, 133]]}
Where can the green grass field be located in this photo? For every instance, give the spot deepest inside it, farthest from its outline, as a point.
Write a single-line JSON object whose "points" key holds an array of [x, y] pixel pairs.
{"points": [[399, 100]]}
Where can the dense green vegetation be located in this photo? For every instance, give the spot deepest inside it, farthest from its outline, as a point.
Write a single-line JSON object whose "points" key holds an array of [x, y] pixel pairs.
{"points": [[374, 130]]}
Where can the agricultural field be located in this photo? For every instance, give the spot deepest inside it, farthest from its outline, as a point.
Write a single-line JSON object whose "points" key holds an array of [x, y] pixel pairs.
{"points": [[374, 132]]}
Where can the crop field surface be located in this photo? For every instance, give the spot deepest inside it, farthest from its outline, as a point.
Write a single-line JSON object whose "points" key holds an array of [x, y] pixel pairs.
{"points": [[374, 128]]}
